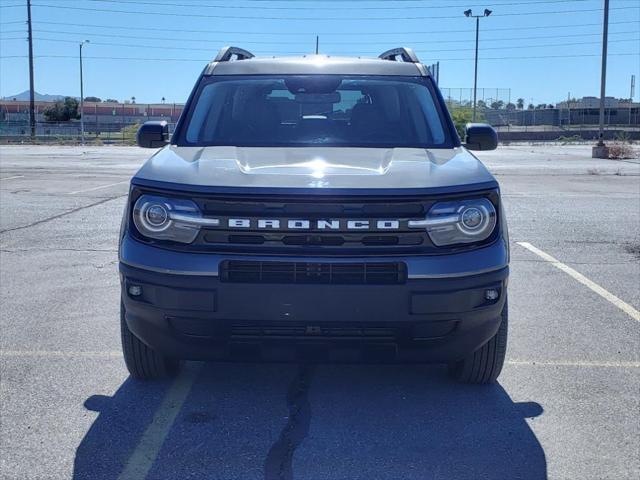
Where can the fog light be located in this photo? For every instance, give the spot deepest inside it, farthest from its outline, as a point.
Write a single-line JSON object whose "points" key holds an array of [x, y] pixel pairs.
{"points": [[491, 294], [135, 290]]}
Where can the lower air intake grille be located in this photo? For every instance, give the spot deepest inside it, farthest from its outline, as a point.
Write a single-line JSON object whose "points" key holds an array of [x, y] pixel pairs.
{"points": [[236, 271]]}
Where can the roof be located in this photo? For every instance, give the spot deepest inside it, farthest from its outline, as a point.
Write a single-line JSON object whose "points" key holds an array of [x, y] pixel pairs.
{"points": [[315, 64]]}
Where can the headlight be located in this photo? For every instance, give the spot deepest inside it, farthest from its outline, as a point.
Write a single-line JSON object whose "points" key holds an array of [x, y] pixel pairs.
{"points": [[169, 218], [458, 221]]}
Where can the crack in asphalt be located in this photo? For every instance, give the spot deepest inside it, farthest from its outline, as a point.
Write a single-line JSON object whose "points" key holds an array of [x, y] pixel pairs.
{"points": [[63, 214], [278, 465]]}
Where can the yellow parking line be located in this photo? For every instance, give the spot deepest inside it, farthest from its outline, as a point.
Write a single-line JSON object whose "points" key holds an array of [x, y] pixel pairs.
{"points": [[145, 453], [625, 307]]}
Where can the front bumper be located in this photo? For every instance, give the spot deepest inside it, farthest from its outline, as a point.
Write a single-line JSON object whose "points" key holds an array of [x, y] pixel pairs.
{"points": [[438, 315]]}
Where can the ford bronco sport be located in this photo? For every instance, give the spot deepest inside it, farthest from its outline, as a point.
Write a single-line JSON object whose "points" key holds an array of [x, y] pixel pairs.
{"points": [[315, 208]]}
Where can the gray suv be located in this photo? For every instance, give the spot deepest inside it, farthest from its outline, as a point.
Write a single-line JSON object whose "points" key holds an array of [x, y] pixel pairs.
{"points": [[315, 209]]}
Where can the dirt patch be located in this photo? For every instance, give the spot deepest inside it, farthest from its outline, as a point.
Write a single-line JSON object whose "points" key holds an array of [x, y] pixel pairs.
{"points": [[633, 249]]}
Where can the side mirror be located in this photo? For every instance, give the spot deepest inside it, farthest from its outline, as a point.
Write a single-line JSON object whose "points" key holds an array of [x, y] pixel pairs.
{"points": [[153, 134], [480, 136]]}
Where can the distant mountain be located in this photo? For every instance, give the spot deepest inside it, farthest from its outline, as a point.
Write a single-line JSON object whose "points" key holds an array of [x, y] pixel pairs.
{"points": [[40, 97]]}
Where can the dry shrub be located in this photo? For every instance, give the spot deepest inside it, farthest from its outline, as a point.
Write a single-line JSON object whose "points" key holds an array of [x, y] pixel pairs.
{"points": [[620, 151]]}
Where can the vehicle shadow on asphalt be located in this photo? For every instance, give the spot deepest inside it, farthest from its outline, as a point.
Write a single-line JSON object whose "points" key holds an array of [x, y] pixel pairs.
{"points": [[278, 421]]}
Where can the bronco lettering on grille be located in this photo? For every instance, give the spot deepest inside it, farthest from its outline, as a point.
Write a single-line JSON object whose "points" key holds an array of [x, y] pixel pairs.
{"points": [[305, 224]]}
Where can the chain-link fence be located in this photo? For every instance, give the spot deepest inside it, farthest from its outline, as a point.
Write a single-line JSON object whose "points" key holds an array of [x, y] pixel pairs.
{"points": [[514, 118], [71, 132], [496, 98], [104, 122]]}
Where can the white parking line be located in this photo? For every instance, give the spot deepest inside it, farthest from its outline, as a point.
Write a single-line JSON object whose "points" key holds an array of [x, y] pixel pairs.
{"points": [[625, 307], [11, 178], [118, 354], [59, 354], [97, 188], [145, 453], [574, 363]]}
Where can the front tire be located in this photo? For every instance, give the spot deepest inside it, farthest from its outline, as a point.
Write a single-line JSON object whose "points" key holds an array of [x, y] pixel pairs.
{"points": [[142, 361], [485, 364]]}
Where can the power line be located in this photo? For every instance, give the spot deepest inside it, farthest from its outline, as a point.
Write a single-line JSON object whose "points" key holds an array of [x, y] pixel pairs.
{"points": [[245, 32], [158, 47], [338, 1], [348, 7], [466, 59], [462, 2], [253, 42], [262, 17]]}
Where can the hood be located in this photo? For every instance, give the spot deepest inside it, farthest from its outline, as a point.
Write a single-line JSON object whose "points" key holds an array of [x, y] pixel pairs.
{"points": [[317, 168]]}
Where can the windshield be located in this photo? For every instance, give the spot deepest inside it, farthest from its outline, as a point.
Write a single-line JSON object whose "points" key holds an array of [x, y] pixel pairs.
{"points": [[315, 110]]}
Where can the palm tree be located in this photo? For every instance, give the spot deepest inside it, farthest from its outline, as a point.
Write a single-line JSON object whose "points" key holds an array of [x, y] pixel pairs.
{"points": [[133, 99], [520, 103]]}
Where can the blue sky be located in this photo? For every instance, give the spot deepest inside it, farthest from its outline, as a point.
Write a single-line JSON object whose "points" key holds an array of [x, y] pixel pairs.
{"points": [[541, 50]]}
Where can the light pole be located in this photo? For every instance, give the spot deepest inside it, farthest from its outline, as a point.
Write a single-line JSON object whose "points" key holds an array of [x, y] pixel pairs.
{"points": [[469, 13], [81, 96], [32, 104], [600, 150]]}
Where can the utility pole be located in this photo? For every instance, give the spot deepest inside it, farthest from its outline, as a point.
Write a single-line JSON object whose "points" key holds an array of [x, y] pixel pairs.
{"points": [[533, 122], [317, 43], [469, 13], [475, 71], [631, 95], [600, 150], [32, 100], [81, 97]]}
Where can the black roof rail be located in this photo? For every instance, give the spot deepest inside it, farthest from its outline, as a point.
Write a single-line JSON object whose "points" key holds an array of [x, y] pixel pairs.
{"points": [[226, 53], [406, 54]]}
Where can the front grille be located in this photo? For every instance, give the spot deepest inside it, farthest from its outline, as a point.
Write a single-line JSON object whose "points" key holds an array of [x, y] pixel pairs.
{"points": [[345, 331], [306, 332], [334, 241], [240, 271], [327, 241]]}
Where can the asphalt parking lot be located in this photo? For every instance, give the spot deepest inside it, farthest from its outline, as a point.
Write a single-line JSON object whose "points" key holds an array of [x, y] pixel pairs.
{"points": [[566, 406]]}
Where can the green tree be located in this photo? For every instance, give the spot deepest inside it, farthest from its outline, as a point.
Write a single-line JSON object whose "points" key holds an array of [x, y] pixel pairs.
{"points": [[510, 106], [531, 106], [497, 105], [92, 99], [462, 116], [520, 103], [129, 134], [111, 100], [62, 110]]}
